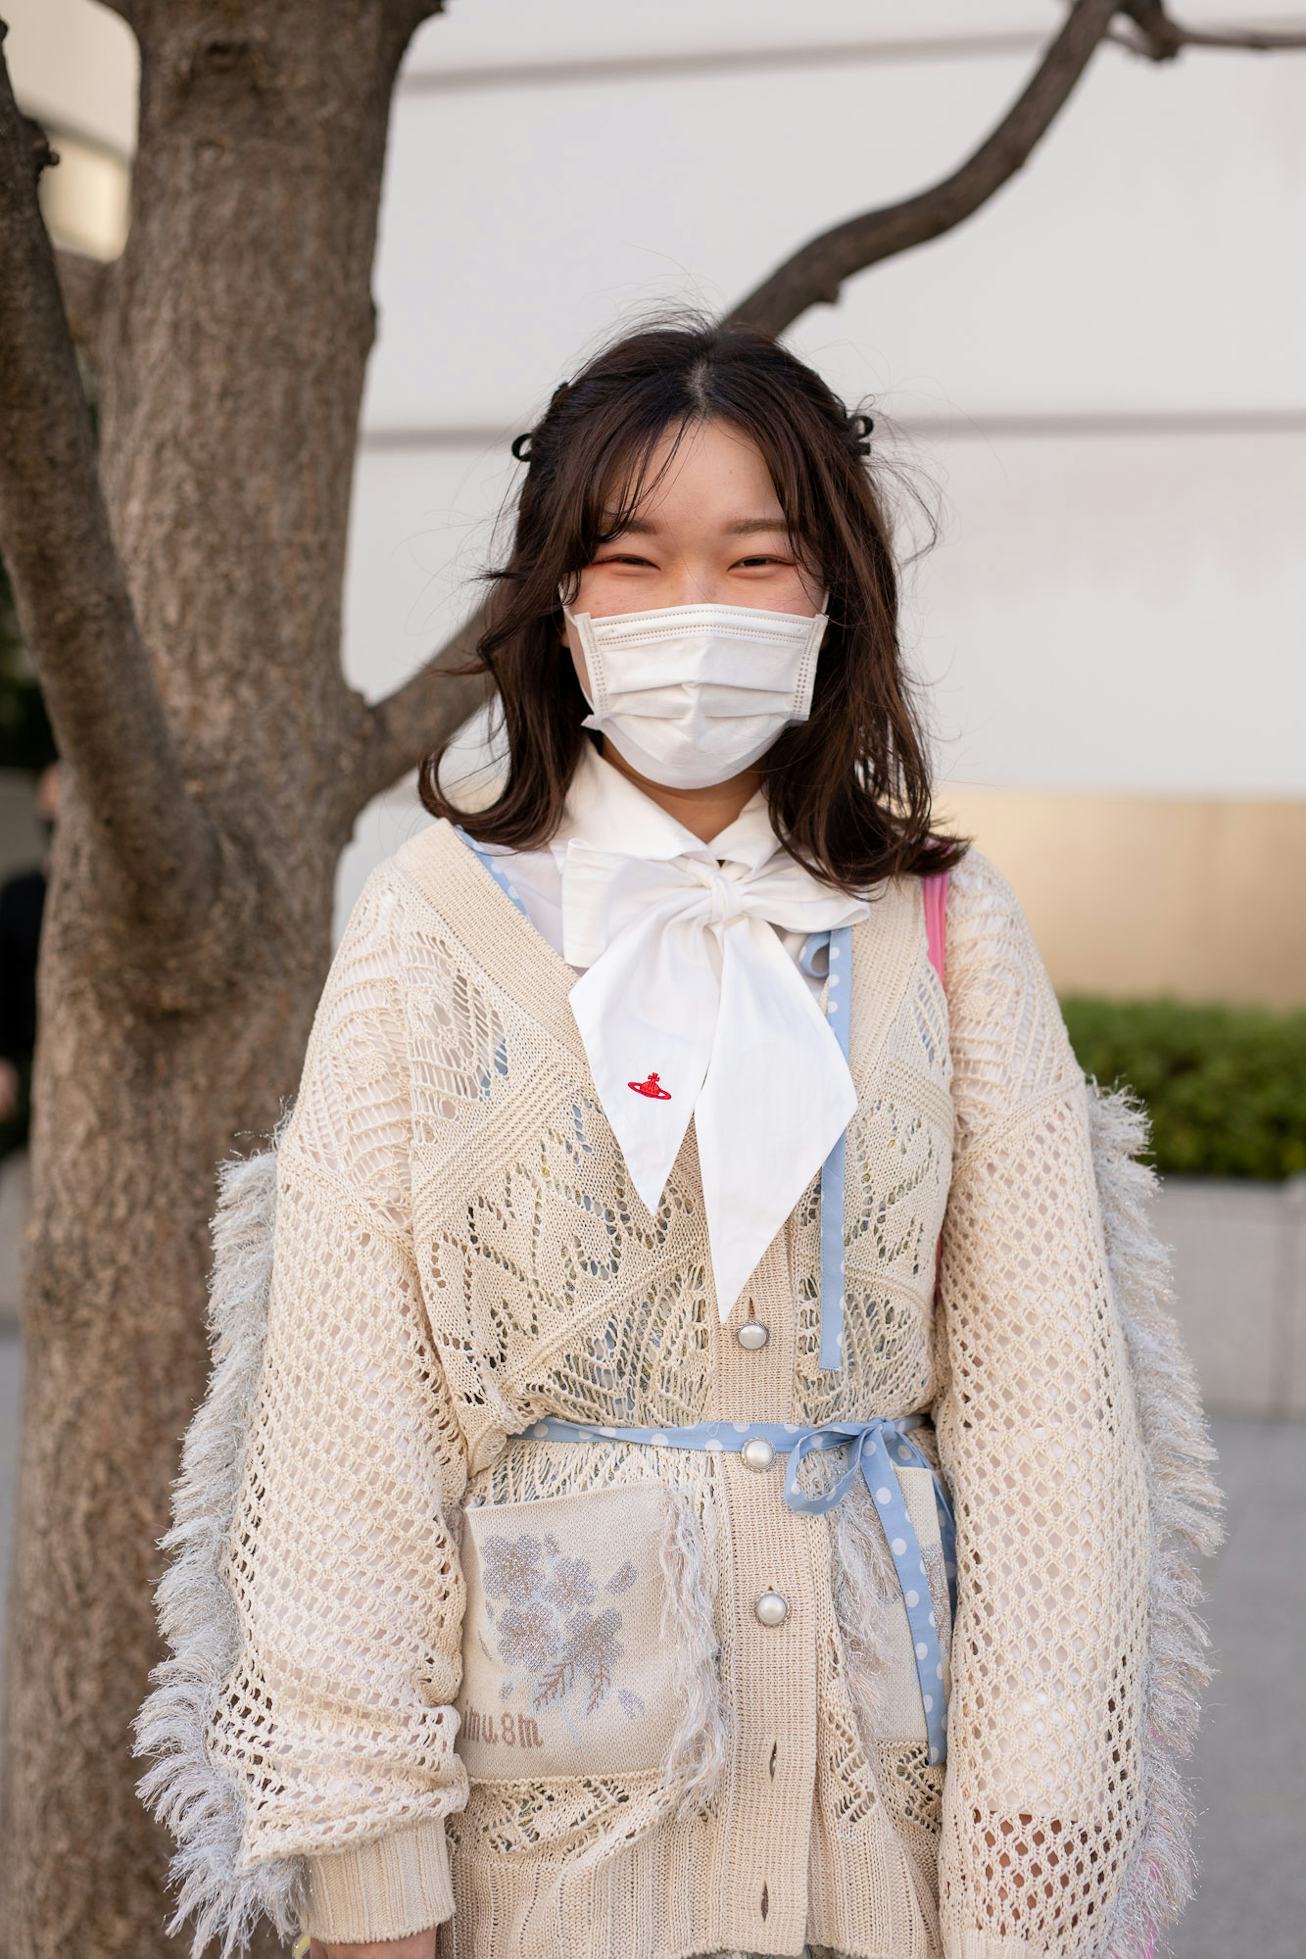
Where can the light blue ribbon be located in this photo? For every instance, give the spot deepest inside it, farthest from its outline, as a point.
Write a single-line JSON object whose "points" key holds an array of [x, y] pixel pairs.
{"points": [[875, 1448], [491, 864], [838, 941]]}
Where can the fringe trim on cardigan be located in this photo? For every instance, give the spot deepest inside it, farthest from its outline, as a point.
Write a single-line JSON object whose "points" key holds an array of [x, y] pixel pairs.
{"points": [[697, 1750], [1185, 1523], [201, 1802], [866, 1599]]}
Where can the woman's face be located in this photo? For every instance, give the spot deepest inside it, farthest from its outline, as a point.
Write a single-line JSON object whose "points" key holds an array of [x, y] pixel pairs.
{"points": [[712, 533]]}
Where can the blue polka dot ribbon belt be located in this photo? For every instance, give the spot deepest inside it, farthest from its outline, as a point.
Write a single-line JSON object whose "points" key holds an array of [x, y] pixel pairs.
{"points": [[875, 1447]]}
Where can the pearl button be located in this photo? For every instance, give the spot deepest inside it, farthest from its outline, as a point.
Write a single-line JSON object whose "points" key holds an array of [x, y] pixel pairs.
{"points": [[752, 1334], [757, 1452], [772, 1608]]}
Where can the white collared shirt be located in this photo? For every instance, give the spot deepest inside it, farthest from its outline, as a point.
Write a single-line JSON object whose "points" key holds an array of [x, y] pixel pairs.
{"points": [[603, 803]]}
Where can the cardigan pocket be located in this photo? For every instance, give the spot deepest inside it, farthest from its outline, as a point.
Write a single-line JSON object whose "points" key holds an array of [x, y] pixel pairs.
{"points": [[589, 1645]]}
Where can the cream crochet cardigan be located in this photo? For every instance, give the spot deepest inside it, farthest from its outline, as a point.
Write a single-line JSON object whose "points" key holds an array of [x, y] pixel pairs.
{"points": [[438, 1246]]}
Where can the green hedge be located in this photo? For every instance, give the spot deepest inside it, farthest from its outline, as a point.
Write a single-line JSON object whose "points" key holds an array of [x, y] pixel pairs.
{"points": [[1225, 1086]]}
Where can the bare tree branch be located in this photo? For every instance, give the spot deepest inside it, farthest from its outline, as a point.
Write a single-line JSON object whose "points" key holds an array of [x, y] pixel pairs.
{"points": [[1158, 38], [1266, 41], [74, 609], [816, 273], [395, 733], [83, 284]]}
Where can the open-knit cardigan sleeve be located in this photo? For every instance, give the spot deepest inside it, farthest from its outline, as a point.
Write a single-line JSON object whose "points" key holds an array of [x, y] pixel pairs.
{"points": [[1040, 1440], [324, 1761]]}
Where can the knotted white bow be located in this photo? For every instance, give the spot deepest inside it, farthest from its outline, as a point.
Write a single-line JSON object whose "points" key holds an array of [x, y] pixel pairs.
{"points": [[691, 1006]]}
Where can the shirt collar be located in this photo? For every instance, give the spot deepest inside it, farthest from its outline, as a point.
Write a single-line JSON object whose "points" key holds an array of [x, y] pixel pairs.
{"points": [[605, 808]]}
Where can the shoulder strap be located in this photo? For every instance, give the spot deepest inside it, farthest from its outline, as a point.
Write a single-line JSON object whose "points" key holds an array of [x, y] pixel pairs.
{"points": [[935, 891]]}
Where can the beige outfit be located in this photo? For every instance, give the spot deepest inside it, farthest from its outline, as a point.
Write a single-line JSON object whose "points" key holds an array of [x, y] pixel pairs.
{"points": [[425, 1669]]}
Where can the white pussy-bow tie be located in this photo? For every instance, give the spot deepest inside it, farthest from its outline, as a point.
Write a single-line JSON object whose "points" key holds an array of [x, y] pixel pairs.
{"points": [[691, 1006]]}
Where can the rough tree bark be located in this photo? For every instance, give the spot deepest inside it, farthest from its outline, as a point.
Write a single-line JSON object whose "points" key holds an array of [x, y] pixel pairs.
{"points": [[181, 597], [182, 602]]}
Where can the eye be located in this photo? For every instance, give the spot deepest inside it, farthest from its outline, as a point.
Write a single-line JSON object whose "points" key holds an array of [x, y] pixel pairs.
{"points": [[763, 561], [623, 558]]}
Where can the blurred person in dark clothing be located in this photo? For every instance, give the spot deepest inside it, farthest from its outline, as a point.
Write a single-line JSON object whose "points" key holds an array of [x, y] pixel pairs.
{"points": [[22, 901]]}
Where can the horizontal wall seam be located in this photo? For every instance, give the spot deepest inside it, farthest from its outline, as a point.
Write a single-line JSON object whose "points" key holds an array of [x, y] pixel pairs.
{"points": [[640, 65], [1086, 422]]}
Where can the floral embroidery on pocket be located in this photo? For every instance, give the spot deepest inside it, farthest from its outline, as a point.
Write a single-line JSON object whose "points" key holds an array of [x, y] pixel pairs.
{"points": [[540, 1604]]}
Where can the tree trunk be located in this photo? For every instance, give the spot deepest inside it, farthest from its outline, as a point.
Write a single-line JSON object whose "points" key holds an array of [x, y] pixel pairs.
{"points": [[231, 354]]}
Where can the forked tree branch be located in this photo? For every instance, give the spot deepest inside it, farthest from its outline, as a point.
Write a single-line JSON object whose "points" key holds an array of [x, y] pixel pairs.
{"points": [[402, 727], [405, 725], [74, 609], [1154, 35]]}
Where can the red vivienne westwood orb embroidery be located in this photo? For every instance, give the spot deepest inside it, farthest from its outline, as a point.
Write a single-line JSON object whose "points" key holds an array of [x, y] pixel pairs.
{"points": [[652, 1087]]}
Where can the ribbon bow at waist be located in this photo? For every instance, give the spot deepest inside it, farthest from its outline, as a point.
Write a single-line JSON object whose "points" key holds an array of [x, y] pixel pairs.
{"points": [[875, 1447]]}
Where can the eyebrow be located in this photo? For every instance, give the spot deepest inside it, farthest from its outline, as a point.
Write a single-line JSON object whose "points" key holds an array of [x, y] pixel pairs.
{"points": [[742, 527]]}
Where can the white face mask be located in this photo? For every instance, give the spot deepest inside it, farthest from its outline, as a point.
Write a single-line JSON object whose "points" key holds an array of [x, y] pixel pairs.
{"points": [[691, 694]]}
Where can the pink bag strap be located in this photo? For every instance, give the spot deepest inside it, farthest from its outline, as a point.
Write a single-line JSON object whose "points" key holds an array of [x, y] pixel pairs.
{"points": [[935, 891]]}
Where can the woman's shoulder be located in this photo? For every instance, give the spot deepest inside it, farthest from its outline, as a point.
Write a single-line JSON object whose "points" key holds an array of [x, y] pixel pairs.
{"points": [[985, 913], [456, 901], [398, 895], [1008, 1035], [434, 869]]}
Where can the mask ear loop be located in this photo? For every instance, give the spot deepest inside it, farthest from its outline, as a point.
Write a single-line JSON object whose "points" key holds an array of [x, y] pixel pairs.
{"points": [[585, 644], [807, 684], [584, 624]]}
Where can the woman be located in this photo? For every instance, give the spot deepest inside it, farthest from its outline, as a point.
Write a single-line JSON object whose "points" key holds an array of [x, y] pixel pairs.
{"points": [[697, 1461]]}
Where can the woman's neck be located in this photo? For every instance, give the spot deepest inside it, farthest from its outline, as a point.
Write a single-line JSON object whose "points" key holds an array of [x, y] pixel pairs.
{"points": [[704, 811]]}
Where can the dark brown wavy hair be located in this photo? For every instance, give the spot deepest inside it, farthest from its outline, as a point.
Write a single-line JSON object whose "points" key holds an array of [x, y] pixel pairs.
{"points": [[848, 789]]}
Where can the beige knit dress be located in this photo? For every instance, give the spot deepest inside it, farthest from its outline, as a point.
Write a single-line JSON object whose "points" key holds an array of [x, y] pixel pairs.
{"points": [[441, 1247]]}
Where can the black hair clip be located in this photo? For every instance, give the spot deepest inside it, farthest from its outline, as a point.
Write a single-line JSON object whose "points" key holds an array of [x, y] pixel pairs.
{"points": [[862, 426], [560, 393]]}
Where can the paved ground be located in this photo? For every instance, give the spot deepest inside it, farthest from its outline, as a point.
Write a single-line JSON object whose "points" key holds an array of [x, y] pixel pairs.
{"points": [[1250, 1768]]}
